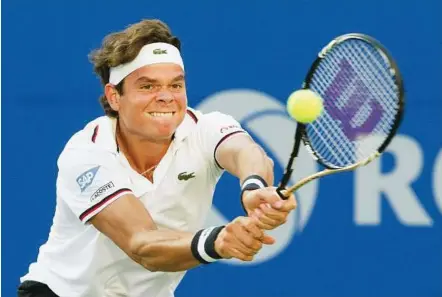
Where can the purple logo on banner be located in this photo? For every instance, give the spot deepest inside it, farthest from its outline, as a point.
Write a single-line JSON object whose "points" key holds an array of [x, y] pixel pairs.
{"points": [[359, 97]]}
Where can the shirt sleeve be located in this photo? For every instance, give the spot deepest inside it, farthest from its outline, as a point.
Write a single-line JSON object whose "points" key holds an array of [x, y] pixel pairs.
{"points": [[215, 128], [90, 181]]}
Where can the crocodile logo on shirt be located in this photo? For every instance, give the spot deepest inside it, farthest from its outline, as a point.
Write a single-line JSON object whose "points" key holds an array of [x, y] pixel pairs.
{"points": [[186, 176]]}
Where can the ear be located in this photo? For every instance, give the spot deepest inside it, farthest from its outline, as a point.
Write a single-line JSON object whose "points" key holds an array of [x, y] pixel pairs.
{"points": [[112, 96]]}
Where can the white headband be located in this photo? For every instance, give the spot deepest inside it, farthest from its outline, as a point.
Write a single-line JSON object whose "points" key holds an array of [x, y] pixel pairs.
{"points": [[149, 54]]}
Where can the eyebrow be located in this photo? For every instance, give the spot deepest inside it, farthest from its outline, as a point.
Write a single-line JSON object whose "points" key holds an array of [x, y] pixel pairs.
{"points": [[152, 80]]}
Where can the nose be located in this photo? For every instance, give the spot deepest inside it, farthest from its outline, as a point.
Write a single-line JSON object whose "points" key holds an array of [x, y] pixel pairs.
{"points": [[165, 96]]}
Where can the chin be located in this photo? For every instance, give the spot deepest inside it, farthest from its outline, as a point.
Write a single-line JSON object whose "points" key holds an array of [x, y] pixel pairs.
{"points": [[165, 132]]}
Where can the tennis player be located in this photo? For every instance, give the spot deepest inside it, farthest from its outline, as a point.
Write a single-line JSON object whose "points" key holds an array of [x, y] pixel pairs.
{"points": [[134, 186]]}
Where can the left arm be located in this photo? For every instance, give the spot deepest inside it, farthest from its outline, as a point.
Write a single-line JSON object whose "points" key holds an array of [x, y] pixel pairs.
{"points": [[242, 157]]}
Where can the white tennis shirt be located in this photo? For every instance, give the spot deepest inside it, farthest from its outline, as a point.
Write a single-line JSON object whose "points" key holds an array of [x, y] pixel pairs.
{"points": [[77, 260]]}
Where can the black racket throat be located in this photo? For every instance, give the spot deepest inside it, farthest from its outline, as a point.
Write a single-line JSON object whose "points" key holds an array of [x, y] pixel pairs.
{"points": [[299, 134]]}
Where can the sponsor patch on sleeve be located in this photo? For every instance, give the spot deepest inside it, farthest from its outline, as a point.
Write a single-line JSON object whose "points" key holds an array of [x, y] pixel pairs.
{"points": [[86, 178], [229, 128], [102, 191]]}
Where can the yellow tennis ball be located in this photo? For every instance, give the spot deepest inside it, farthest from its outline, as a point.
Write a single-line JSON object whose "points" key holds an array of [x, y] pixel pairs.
{"points": [[304, 106]]}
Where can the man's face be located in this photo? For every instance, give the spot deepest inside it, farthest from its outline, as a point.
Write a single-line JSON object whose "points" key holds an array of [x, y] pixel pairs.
{"points": [[154, 101]]}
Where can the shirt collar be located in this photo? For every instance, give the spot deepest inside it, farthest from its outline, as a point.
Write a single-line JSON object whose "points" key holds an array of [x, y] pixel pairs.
{"points": [[188, 124]]}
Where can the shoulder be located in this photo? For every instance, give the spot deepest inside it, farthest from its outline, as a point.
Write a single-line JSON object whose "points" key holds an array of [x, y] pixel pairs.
{"points": [[95, 140], [197, 124], [212, 119], [215, 116], [212, 128], [219, 123]]}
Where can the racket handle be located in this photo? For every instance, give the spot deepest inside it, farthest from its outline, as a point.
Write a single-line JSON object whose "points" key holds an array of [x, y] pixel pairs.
{"points": [[282, 193]]}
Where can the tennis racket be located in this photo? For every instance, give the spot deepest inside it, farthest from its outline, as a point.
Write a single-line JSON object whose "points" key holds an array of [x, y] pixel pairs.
{"points": [[363, 97]]}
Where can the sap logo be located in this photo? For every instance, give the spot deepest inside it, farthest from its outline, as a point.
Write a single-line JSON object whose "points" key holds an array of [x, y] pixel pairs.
{"points": [[226, 128], [86, 178], [102, 190]]}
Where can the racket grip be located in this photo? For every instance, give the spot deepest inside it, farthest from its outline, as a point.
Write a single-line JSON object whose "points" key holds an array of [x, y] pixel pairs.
{"points": [[280, 190]]}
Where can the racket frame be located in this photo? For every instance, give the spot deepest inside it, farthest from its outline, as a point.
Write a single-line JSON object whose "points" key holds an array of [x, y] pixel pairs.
{"points": [[301, 129]]}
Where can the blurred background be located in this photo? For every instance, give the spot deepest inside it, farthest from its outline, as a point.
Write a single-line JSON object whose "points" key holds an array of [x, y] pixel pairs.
{"points": [[374, 232]]}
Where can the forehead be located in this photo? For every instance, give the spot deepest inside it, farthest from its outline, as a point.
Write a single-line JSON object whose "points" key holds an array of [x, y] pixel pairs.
{"points": [[160, 72]]}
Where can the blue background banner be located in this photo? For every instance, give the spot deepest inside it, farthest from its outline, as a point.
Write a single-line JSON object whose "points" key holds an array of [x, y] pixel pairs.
{"points": [[374, 232]]}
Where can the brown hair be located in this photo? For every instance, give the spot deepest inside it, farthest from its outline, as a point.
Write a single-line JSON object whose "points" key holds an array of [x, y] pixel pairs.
{"points": [[123, 46]]}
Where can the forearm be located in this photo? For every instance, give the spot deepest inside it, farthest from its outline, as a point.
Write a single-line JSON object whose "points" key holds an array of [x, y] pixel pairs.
{"points": [[163, 250], [252, 159], [130, 226], [242, 157]]}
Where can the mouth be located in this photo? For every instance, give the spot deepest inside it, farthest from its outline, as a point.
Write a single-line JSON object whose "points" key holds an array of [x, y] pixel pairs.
{"points": [[160, 114]]}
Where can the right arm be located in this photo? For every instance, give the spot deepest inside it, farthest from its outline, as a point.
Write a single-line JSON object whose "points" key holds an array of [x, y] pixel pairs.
{"points": [[99, 194], [129, 225], [92, 185]]}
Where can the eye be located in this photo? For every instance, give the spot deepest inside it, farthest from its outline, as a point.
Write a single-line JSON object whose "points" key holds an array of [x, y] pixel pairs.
{"points": [[177, 86], [147, 87]]}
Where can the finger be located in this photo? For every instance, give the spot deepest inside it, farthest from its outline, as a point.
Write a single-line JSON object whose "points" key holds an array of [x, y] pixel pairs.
{"points": [[274, 214], [248, 243], [238, 245], [268, 240], [265, 219], [253, 225], [286, 205], [252, 228], [239, 255], [251, 244], [263, 226], [242, 240], [269, 195]]}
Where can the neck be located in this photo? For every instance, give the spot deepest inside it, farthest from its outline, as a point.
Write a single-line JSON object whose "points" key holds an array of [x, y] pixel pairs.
{"points": [[142, 154]]}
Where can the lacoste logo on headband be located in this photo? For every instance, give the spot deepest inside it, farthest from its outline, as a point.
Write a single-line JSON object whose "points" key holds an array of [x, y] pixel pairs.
{"points": [[159, 51]]}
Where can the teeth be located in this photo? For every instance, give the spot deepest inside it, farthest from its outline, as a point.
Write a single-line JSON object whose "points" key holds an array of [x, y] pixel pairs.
{"points": [[161, 114]]}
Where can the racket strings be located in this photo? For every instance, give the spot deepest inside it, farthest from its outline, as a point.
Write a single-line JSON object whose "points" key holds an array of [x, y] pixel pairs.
{"points": [[360, 103], [327, 145], [326, 125], [360, 113], [330, 147], [322, 131], [381, 87], [387, 90], [385, 75]]}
